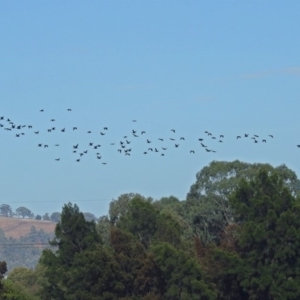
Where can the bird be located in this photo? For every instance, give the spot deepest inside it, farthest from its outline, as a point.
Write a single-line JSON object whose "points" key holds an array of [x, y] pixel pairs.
{"points": [[182, 138], [156, 150], [120, 150], [246, 135], [128, 142], [271, 135], [176, 145], [40, 145], [264, 141], [145, 152], [220, 141], [164, 148], [298, 146], [192, 151], [221, 136], [133, 120], [172, 139], [49, 130], [102, 133], [57, 159], [105, 128], [78, 160], [45, 146], [133, 131], [161, 140], [69, 109], [173, 130], [150, 149], [143, 132], [148, 141], [98, 157], [162, 154], [36, 132], [89, 132], [255, 135], [41, 110], [74, 128], [56, 145], [203, 145], [75, 146], [63, 130], [238, 137], [52, 120], [200, 140]]}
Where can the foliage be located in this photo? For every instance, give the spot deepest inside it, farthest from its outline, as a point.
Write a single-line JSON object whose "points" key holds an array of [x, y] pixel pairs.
{"points": [[6, 210], [55, 217], [267, 259], [24, 212]]}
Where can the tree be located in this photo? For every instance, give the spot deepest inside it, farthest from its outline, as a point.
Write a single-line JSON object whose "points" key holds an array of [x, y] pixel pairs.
{"points": [[103, 229], [73, 236], [55, 217], [46, 217], [266, 262], [6, 210], [182, 275], [23, 212], [118, 207], [38, 217], [207, 208]]}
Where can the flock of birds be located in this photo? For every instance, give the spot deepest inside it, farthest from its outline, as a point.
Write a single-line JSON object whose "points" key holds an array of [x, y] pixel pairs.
{"points": [[124, 145]]}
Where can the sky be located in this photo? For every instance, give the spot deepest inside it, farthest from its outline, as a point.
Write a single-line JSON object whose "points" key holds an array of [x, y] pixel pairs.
{"points": [[226, 67]]}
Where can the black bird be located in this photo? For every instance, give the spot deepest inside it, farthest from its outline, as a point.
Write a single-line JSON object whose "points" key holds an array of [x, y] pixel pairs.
{"points": [[176, 145], [96, 147], [125, 137], [52, 120], [18, 127], [102, 133], [112, 143], [69, 109], [203, 145], [255, 141], [213, 138], [121, 142], [81, 154], [162, 154], [156, 150], [173, 130], [41, 110], [17, 135], [1, 118], [45, 146], [264, 141], [78, 160], [148, 141], [89, 132], [57, 159], [133, 120], [127, 153], [207, 150], [74, 151], [145, 152], [200, 140], [128, 142], [36, 132], [172, 139], [133, 131], [8, 129], [29, 126], [298, 146], [209, 133], [271, 135], [105, 128], [221, 136], [103, 163], [120, 150], [255, 135], [63, 130], [74, 128], [75, 146], [123, 146], [49, 130], [164, 148], [161, 139], [40, 145], [220, 141], [143, 132], [99, 157], [182, 138], [238, 137], [85, 151], [135, 135], [22, 133], [246, 135], [14, 126], [150, 149], [192, 151]]}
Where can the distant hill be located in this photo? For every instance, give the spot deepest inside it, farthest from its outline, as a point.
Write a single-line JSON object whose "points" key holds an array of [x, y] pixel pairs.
{"points": [[17, 227]]}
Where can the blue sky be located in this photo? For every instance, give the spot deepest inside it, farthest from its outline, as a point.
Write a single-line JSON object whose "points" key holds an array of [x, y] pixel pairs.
{"points": [[227, 67]]}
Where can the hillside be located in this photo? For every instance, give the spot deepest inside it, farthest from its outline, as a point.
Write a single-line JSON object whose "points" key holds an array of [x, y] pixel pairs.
{"points": [[16, 227]]}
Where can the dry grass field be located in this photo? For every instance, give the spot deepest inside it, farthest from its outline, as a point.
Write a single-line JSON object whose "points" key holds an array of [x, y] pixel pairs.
{"points": [[15, 227]]}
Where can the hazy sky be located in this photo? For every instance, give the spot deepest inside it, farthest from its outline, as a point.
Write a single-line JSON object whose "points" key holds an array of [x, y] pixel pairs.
{"points": [[227, 67]]}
